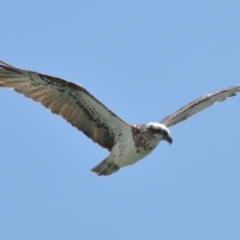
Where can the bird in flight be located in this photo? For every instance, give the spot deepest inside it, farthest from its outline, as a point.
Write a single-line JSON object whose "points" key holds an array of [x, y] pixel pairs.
{"points": [[127, 142]]}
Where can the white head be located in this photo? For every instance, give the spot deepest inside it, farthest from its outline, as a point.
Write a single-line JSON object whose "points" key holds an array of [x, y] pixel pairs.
{"points": [[159, 131]]}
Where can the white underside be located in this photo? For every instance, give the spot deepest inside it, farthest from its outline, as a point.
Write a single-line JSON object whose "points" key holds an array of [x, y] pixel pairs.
{"points": [[125, 152]]}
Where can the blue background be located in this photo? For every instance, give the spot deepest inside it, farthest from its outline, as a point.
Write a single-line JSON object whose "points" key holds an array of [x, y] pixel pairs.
{"points": [[143, 60]]}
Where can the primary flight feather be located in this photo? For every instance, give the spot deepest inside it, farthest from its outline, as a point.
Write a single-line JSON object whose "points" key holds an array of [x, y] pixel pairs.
{"points": [[127, 143]]}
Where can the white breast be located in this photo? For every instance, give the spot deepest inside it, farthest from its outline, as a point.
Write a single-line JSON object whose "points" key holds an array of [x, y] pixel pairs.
{"points": [[125, 152]]}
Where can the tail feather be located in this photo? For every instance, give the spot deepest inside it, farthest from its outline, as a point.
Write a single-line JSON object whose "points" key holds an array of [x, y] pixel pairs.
{"points": [[105, 167]]}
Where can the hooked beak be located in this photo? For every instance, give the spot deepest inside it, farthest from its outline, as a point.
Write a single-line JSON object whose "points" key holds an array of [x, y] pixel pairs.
{"points": [[169, 140]]}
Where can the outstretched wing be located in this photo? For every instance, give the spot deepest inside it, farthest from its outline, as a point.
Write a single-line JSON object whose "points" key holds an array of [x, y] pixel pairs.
{"points": [[73, 102], [199, 105]]}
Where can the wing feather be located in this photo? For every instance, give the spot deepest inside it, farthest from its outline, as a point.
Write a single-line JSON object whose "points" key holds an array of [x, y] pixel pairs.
{"points": [[199, 105], [69, 100]]}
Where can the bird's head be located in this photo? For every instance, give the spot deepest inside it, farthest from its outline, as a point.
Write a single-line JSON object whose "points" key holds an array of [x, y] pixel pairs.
{"points": [[159, 130]]}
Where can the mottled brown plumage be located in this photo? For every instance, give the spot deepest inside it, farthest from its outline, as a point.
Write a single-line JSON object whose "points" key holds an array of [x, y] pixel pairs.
{"points": [[199, 105], [73, 102], [127, 143]]}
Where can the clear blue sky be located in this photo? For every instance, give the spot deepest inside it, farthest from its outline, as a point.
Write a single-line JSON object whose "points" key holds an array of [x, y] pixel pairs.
{"points": [[144, 60]]}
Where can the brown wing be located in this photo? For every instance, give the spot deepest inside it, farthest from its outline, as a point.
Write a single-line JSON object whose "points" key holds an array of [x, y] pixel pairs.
{"points": [[199, 105], [73, 102]]}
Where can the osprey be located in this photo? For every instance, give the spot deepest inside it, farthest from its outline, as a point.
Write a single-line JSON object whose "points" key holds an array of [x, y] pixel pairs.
{"points": [[127, 143]]}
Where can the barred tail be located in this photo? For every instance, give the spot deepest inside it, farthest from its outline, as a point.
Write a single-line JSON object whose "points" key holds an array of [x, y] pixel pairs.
{"points": [[106, 167]]}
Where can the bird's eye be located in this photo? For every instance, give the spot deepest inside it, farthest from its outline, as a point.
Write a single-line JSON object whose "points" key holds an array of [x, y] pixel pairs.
{"points": [[159, 131]]}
